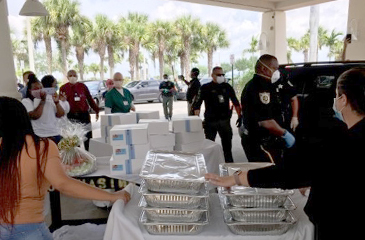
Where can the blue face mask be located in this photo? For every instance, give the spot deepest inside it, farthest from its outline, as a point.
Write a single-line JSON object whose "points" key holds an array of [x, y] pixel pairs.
{"points": [[338, 114]]}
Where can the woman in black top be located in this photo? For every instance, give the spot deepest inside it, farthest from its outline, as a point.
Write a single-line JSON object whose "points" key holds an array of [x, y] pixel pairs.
{"points": [[330, 164]]}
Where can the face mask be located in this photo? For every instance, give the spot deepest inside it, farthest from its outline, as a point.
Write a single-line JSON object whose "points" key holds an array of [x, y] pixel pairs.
{"points": [[338, 114], [118, 84], [72, 80], [36, 93], [220, 79], [275, 76]]}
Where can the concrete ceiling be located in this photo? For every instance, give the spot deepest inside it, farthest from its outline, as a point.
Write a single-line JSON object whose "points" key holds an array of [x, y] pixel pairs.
{"points": [[260, 5]]}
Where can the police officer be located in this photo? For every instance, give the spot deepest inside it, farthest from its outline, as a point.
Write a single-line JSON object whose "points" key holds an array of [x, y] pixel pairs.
{"points": [[193, 89], [217, 96], [289, 103], [264, 138]]}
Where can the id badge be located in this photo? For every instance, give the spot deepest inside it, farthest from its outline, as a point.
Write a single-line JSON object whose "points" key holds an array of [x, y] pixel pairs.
{"points": [[125, 103], [221, 98], [77, 99]]}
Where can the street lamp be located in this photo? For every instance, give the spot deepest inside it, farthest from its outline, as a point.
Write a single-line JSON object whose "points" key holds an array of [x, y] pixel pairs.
{"points": [[32, 8]]}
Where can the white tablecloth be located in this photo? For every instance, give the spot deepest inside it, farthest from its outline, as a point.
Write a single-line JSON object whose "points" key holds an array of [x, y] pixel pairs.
{"points": [[216, 229], [212, 152]]}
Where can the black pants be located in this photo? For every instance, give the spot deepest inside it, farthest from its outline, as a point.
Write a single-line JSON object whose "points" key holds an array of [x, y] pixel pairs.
{"points": [[224, 129], [84, 118]]}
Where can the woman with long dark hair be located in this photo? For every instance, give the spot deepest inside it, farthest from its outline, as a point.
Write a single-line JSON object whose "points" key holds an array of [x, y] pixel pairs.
{"points": [[331, 166], [45, 109], [28, 166]]}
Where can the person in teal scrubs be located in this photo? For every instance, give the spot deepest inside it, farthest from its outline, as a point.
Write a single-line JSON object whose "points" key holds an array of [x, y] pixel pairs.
{"points": [[119, 99]]}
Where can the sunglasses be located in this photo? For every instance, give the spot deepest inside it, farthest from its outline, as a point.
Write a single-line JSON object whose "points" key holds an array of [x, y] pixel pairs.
{"points": [[220, 75]]}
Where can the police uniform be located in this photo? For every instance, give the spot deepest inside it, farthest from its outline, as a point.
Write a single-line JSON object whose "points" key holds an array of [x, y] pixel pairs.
{"points": [[286, 91], [260, 101], [217, 114]]}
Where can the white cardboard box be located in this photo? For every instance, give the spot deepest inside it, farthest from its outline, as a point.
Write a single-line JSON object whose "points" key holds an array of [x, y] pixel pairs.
{"points": [[188, 124], [99, 148], [118, 119], [105, 133], [124, 152], [162, 140], [189, 137], [147, 115], [156, 126], [125, 167], [129, 134], [190, 147]]}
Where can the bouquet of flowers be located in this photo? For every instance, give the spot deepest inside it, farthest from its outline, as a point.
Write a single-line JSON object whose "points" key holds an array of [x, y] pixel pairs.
{"points": [[76, 161]]}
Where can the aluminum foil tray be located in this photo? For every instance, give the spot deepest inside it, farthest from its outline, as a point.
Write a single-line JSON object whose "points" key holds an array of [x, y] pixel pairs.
{"points": [[175, 172], [247, 197], [166, 228], [165, 200], [254, 200], [254, 228], [174, 215], [259, 214]]}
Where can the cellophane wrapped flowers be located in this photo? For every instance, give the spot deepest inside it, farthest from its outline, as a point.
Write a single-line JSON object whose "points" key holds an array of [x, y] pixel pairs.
{"points": [[76, 161]]}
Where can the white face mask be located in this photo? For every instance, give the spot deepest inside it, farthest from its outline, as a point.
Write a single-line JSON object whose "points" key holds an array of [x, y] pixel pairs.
{"points": [[72, 80], [118, 84], [275, 76], [338, 113], [220, 79]]}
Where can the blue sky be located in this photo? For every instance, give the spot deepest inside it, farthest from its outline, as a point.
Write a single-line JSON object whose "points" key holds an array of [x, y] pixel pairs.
{"points": [[240, 25]]}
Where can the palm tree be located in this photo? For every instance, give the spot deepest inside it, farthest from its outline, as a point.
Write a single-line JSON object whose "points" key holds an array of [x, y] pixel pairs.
{"points": [[254, 46], [94, 68], [115, 46], [187, 28], [134, 29], [100, 33], [213, 37], [63, 14], [173, 47], [42, 30], [332, 43], [160, 31], [80, 40]]}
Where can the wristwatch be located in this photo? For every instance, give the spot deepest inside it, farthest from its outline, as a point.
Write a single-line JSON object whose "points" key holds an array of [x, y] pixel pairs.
{"points": [[236, 176]]}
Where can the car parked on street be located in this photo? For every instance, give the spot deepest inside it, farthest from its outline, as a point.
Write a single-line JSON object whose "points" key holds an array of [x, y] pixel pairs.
{"points": [[97, 88], [146, 90]]}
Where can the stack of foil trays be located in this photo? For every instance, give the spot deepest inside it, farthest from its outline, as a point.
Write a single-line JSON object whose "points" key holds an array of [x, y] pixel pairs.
{"points": [[255, 211], [174, 193]]}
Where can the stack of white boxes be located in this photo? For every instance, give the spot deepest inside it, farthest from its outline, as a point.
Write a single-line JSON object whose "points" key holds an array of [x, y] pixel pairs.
{"points": [[130, 146], [147, 115], [108, 121], [158, 134], [189, 134]]}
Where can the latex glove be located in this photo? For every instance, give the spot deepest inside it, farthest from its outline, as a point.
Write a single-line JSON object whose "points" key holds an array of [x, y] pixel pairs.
{"points": [[294, 123], [289, 139], [239, 122]]}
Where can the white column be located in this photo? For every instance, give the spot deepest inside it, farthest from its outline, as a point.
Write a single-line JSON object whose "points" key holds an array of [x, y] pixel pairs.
{"points": [[8, 80], [273, 33], [356, 27]]}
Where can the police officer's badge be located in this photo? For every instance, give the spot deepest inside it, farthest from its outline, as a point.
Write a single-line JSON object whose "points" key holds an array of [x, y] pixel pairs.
{"points": [[265, 97]]}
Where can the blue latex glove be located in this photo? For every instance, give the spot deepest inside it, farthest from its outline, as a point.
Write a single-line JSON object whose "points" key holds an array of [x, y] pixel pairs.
{"points": [[289, 139]]}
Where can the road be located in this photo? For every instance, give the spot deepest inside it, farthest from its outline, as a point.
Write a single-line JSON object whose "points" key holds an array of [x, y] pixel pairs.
{"points": [[180, 110]]}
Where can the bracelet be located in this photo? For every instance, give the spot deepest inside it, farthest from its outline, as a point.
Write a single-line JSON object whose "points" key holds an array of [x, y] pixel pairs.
{"points": [[236, 176]]}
